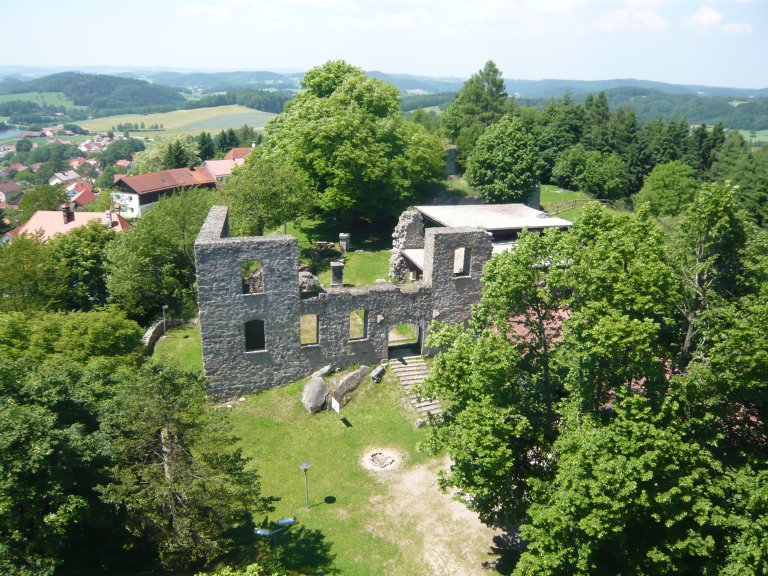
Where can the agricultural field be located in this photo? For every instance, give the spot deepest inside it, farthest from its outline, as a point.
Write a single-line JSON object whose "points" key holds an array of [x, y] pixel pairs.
{"points": [[755, 136], [185, 122], [49, 98], [359, 521]]}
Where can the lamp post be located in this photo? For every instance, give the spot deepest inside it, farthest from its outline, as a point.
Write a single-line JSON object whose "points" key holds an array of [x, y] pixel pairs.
{"points": [[164, 308], [306, 465]]}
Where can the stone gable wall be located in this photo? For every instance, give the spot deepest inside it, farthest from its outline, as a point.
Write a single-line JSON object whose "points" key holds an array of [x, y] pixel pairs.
{"points": [[224, 309]]}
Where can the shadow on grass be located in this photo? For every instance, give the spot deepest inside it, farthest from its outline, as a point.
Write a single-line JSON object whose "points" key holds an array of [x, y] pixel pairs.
{"points": [[363, 235], [306, 551]]}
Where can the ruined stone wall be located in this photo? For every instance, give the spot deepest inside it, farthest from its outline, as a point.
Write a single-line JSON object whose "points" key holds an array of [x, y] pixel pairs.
{"points": [[224, 309]]}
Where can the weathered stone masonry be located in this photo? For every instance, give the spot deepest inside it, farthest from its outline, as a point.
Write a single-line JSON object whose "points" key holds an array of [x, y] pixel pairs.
{"points": [[224, 309]]}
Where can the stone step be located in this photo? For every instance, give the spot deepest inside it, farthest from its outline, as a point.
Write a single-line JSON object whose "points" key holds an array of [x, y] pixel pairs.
{"points": [[406, 367], [412, 379], [424, 402], [412, 374], [410, 371]]}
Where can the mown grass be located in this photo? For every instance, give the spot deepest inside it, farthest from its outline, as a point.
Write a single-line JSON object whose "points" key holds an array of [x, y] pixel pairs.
{"points": [[184, 345], [340, 533], [188, 122]]}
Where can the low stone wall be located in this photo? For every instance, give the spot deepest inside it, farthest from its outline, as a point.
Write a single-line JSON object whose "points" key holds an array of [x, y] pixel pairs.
{"points": [[154, 332]]}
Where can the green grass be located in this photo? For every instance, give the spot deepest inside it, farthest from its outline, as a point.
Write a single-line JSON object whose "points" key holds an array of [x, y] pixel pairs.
{"points": [[552, 196], [342, 534], [184, 345], [187, 122], [361, 268], [49, 98]]}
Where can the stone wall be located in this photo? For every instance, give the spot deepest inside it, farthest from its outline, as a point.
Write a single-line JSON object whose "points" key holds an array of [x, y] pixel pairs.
{"points": [[224, 309]]}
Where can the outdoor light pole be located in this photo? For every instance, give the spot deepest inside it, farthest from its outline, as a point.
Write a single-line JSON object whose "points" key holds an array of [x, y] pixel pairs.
{"points": [[164, 308], [306, 465]]}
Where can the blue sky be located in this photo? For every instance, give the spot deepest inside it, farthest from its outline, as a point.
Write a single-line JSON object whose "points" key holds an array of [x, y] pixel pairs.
{"points": [[723, 43]]}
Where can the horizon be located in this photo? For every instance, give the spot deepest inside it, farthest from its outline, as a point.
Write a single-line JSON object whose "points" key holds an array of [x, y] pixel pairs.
{"points": [[672, 41]]}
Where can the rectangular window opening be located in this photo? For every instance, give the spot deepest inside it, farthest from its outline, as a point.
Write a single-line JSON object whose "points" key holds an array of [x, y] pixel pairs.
{"points": [[255, 339], [462, 258], [309, 329], [358, 324], [252, 276]]}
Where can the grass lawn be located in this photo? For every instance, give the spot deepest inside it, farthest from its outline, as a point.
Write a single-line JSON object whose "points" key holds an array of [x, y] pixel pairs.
{"points": [[189, 122], [760, 135], [361, 268], [359, 522], [184, 345], [552, 196]]}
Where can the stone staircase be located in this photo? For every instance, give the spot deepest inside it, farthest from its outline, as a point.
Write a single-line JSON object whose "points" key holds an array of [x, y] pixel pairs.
{"points": [[412, 370]]}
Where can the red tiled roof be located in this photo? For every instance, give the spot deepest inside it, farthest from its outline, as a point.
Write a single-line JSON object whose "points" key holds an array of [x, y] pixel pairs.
{"points": [[18, 166], [168, 180], [84, 197], [237, 153], [9, 187]]}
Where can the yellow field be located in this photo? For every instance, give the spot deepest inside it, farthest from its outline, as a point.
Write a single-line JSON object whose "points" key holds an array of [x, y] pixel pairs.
{"points": [[186, 121]]}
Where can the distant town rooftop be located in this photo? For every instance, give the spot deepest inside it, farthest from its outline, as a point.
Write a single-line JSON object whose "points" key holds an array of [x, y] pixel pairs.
{"points": [[492, 217]]}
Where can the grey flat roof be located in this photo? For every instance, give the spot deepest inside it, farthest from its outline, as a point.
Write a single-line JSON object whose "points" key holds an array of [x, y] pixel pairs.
{"points": [[492, 217]]}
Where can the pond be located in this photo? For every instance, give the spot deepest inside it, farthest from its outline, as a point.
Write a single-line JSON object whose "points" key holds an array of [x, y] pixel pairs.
{"points": [[8, 133]]}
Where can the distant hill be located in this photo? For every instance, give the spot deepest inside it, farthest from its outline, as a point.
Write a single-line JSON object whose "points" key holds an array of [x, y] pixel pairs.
{"points": [[101, 93], [556, 88], [220, 81]]}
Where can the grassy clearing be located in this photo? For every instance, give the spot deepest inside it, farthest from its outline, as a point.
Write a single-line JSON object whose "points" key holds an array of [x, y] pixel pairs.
{"points": [[189, 122], [361, 268], [49, 98], [184, 345]]}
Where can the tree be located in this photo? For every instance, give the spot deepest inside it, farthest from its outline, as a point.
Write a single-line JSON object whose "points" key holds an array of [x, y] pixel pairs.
{"points": [[28, 275], [360, 156], [23, 146], [668, 188], [480, 103], [167, 153], [177, 473], [206, 146], [264, 194], [633, 497], [153, 263], [81, 257], [505, 164], [600, 175], [43, 197]]}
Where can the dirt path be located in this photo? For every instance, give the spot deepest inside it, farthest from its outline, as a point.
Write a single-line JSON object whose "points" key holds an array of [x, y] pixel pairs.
{"points": [[450, 540]]}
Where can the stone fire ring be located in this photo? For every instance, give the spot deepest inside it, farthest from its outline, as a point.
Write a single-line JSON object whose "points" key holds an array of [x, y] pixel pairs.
{"points": [[381, 459]]}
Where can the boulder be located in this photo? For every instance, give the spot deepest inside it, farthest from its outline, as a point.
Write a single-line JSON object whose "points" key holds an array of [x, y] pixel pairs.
{"points": [[314, 393], [325, 370], [351, 381], [309, 284], [378, 372]]}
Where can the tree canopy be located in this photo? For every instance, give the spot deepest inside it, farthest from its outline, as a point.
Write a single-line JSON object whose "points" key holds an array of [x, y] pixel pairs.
{"points": [[166, 154], [345, 133]]}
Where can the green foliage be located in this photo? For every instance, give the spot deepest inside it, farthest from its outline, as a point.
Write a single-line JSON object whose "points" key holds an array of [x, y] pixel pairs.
{"points": [[121, 150], [264, 194], [480, 103], [346, 134], [79, 255], [667, 189], [44, 197], [28, 275], [176, 472], [632, 497], [505, 164], [601, 175], [206, 146], [153, 263], [166, 154]]}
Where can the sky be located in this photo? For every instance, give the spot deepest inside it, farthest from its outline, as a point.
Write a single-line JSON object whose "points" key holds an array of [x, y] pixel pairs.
{"points": [[715, 42]]}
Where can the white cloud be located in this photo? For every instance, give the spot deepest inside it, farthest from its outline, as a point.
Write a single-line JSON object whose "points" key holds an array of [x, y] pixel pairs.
{"points": [[708, 19], [641, 20]]}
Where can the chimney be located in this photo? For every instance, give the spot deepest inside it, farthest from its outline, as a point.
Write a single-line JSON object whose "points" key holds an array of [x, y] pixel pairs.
{"points": [[66, 213]]}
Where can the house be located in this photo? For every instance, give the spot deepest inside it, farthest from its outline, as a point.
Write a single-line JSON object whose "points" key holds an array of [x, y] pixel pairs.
{"points": [[18, 167], [7, 189], [221, 169], [124, 163], [75, 163], [136, 193], [238, 153], [35, 167], [84, 197], [77, 187], [49, 223], [64, 177]]}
